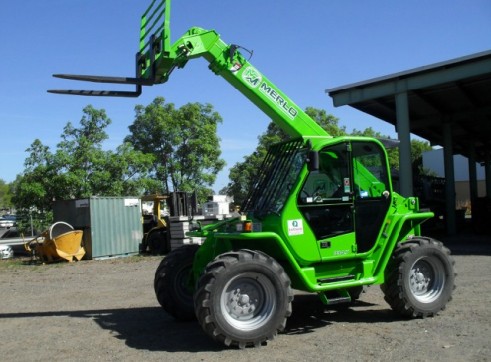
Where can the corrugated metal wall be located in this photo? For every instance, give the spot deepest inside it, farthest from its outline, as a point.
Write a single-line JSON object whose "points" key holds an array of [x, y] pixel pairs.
{"points": [[116, 226], [112, 225]]}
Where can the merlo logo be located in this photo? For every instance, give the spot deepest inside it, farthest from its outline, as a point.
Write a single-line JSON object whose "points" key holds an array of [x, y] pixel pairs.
{"points": [[252, 77]]}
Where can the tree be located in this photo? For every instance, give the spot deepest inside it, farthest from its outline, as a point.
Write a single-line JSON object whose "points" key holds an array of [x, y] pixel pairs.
{"points": [[84, 169], [326, 121], [129, 171], [5, 196], [183, 143], [392, 153], [417, 149], [242, 173], [36, 186], [33, 190], [79, 167]]}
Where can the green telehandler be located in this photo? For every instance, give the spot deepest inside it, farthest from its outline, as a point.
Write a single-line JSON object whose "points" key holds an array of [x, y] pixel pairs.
{"points": [[322, 216]]}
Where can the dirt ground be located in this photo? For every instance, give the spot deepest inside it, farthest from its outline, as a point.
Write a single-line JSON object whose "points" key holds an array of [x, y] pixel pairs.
{"points": [[106, 310]]}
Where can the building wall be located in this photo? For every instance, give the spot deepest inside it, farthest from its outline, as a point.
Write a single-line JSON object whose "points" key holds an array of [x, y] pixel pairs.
{"points": [[462, 192], [433, 160]]}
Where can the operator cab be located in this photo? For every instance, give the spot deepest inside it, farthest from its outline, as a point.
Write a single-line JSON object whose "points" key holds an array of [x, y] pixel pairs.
{"points": [[349, 193]]}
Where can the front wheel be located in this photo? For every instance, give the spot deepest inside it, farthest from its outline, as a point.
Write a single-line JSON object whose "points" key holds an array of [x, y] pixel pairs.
{"points": [[243, 298], [419, 278]]}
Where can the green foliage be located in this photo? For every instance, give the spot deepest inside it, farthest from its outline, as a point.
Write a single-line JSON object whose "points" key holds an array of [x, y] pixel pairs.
{"points": [[80, 161], [417, 150], [183, 143], [5, 196], [179, 146], [39, 220], [35, 187], [242, 173], [326, 121], [79, 168], [393, 153]]}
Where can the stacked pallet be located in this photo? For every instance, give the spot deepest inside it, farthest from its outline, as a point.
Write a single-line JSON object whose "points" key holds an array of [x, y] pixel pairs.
{"points": [[180, 225]]}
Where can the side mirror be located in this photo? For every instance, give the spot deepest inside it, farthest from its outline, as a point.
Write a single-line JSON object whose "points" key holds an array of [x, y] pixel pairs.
{"points": [[313, 161]]}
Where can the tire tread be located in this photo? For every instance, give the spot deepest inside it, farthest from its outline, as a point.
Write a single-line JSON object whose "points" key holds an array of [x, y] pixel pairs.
{"points": [[202, 297], [393, 288]]}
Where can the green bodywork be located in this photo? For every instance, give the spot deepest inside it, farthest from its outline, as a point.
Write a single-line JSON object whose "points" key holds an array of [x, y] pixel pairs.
{"points": [[314, 263], [323, 207], [225, 60]]}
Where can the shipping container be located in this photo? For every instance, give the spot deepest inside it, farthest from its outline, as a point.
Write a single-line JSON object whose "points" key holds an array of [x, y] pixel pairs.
{"points": [[112, 226]]}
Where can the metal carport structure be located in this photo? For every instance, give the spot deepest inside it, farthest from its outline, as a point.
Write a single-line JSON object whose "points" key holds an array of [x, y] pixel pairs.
{"points": [[447, 103]]}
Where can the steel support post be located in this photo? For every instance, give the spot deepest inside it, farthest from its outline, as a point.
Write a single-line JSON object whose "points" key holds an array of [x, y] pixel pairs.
{"points": [[403, 133], [487, 171], [472, 172], [449, 179]]}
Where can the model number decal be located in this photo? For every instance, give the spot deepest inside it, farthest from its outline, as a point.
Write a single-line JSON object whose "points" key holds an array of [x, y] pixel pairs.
{"points": [[341, 252]]}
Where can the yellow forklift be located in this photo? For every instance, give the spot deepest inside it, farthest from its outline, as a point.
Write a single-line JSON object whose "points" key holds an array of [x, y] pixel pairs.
{"points": [[156, 239]]}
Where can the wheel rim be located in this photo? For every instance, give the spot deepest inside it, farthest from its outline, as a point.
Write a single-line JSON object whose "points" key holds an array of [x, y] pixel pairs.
{"points": [[248, 301], [427, 279]]}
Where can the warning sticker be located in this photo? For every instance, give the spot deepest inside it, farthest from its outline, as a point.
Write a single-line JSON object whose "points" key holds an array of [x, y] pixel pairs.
{"points": [[347, 187], [295, 227]]}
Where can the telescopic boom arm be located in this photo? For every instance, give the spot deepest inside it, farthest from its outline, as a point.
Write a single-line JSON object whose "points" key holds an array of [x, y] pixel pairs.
{"points": [[157, 59]]}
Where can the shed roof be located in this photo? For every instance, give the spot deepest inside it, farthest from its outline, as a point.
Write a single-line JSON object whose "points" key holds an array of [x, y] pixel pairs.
{"points": [[456, 91]]}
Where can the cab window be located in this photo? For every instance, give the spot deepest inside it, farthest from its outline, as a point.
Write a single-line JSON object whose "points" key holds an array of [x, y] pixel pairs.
{"points": [[331, 183], [369, 171]]}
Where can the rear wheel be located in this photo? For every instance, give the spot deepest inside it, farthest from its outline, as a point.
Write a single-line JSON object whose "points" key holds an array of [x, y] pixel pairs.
{"points": [[243, 298], [419, 278], [171, 283]]}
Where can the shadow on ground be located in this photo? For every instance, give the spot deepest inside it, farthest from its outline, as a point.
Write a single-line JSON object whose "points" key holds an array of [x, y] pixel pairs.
{"points": [[466, 243], [309, 313], [148, 328], [152, 329]]}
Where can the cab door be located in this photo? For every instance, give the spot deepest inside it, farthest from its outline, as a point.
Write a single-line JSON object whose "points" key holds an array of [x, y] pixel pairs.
{"points": [[372, 192], [327, 204], [346, 200]]}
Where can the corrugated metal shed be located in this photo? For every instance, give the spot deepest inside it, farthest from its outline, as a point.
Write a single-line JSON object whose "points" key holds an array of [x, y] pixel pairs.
{"points": [[112, 225], [447, 103], [456, 92]]}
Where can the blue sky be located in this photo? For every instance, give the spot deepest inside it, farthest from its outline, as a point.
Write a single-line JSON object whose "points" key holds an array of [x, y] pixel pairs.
{"points": [[304, 47]]}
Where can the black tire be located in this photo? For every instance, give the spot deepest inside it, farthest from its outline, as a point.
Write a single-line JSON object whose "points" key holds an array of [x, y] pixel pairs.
{"points": [[420, 278], [157, 242], [243, 298], [171, 283]]}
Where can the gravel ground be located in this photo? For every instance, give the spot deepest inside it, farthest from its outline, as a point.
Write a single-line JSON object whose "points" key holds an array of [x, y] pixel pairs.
{"points": [[106, 310]]}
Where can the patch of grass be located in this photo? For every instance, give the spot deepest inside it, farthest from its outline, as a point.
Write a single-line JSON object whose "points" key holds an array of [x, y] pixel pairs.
{"points": [[20, 263], [24, 262], [14, 263], [129, 259]]}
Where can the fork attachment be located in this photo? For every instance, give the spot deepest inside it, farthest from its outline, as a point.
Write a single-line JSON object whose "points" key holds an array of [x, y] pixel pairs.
{"points": [[138, 81], [153, 48]]}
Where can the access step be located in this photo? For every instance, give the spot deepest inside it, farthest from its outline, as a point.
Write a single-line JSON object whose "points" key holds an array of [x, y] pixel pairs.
{"points": [[335, 279], [338, 300]]}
